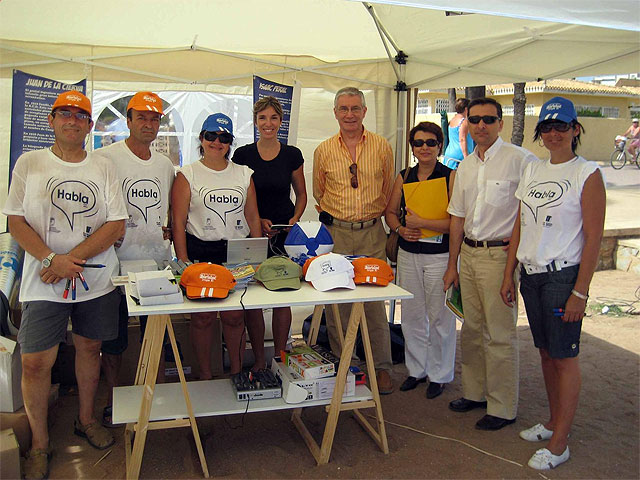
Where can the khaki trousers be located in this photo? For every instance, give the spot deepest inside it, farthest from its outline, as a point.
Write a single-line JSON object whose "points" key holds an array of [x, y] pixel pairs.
{"points": [[488, 340], [370, 242]]}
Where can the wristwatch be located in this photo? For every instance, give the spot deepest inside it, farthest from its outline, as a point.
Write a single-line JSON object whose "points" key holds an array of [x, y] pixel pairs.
{"points": [[46, 262]]}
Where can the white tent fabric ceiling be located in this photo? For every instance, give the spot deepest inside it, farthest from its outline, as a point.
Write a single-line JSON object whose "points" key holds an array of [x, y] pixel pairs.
{"points": [[320, 43]]}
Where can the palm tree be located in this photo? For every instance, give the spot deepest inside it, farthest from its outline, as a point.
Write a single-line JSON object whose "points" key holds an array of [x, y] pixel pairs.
{"points": [[519, 101]]}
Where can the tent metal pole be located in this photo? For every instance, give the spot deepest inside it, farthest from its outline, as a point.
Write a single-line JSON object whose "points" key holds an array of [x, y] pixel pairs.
{"points": [[384, 37], [608, 58]]}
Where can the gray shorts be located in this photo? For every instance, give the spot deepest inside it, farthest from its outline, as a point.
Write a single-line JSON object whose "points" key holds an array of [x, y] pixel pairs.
{"points": [[44, 324]]}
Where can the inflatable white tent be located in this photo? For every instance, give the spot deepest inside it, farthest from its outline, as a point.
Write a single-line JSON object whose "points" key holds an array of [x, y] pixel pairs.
{"points": [[384, 47]]}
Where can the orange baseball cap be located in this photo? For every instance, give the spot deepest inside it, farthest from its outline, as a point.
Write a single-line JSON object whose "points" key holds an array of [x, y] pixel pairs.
{"points": [[372, 271], [146, 101], [72, 98], [207, 280]]}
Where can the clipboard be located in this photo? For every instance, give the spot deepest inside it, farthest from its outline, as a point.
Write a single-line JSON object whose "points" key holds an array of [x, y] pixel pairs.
{"points": [[428, 199]]}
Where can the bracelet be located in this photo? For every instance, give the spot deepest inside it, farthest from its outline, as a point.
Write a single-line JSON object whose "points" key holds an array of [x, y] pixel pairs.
{"points": [[579, 295], [397, 230]]}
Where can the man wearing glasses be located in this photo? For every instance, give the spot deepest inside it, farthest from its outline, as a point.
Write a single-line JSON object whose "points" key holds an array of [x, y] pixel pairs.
{"points": [[352, 181], [483, 209], [64, 208], [146, 177]]}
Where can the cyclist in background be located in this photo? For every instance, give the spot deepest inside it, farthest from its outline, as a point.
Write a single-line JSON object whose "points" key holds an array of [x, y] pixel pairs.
{"points": [[633, 133]]}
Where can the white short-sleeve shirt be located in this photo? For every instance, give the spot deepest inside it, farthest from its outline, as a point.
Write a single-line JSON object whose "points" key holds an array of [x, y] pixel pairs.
{"points": [[146, 185], [484, 191], [65, 203]]}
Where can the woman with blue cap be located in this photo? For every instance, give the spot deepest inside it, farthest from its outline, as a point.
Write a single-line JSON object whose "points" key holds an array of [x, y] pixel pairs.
{"points": [[214, 200], [556, 238]]}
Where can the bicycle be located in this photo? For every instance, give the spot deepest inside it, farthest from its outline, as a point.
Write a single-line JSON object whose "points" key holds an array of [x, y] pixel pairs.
{"points": [[619, 154]]}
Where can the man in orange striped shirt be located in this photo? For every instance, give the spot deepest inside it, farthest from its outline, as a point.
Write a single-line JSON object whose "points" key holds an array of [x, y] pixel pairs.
{"points": [[353, 176]]}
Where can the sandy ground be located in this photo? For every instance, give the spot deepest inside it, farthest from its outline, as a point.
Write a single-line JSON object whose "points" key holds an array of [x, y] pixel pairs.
{"points": [[426, 439]]}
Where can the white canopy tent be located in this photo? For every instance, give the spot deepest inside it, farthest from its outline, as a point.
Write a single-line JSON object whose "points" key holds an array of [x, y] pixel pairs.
{"points": [[323, 44]]}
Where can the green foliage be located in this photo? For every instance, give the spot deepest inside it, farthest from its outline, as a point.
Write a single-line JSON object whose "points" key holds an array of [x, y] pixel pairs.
{"points": [[585, 112]]}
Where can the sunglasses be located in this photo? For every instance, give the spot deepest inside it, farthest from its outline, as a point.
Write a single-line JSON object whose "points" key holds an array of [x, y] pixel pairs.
{"points": [[67, 114], [223, 137], [353, 170], [488, 119], [557, 126], [429, 141]]}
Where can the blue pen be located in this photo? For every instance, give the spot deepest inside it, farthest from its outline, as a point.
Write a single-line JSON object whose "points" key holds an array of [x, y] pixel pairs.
{"points": [[73, 288], [93, 265], [84, 283], [558, 312]]}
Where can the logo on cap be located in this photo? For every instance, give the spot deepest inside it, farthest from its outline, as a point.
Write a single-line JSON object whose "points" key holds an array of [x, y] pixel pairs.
{"points": [[208, 277], [554, 106], [149, 98], [223, 121], [74, 98]]}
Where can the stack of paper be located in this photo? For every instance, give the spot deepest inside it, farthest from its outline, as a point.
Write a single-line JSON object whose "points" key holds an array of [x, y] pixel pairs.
{"points": [[155, 288]]}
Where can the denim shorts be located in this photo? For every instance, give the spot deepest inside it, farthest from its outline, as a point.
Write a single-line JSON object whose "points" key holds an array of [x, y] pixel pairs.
{"points": [[542, 292], [44, 324]]}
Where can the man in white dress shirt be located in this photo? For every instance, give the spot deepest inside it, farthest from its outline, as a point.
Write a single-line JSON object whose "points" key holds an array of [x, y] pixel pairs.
{"points": [[483, 208]]}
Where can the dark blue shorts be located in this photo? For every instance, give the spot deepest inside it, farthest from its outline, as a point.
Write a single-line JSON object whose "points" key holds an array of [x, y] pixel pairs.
{"points": [[542, 292], [118, 345]]}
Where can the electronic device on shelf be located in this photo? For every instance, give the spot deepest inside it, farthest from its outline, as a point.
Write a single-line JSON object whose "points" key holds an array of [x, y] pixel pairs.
{"points": [[256, 385]]}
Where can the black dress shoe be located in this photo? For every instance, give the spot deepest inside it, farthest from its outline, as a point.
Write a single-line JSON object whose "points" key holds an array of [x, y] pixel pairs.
{"points": [[464, 405], [411, 382], [434, 389], [489, 422]]}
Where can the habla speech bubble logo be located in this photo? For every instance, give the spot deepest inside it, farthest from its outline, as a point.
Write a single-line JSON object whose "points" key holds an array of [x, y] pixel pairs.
{"points": [[72, 198], [544, 194], [143, 195], [223, 201]]}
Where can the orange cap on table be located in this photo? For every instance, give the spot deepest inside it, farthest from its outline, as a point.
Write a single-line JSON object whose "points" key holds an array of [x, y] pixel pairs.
{"points": [[146, 102], [207, 280], [368, 270], [72, 98]]}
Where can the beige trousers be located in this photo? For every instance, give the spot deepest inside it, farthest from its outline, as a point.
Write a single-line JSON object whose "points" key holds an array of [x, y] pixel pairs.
{"points": [[370, 242], [488, 341]]}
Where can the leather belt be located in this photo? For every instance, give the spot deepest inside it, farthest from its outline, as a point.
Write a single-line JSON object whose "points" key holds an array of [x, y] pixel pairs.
{"points": [[487, 243], [355, 225], [554, 266]]}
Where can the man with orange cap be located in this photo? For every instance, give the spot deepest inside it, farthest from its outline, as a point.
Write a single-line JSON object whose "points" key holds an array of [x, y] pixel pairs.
{"points": [[64, 208], [145, 176]]}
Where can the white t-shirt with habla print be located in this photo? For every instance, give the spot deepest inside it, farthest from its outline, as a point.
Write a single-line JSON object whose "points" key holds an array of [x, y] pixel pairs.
{"points": [[146, 187], [65, 203]]}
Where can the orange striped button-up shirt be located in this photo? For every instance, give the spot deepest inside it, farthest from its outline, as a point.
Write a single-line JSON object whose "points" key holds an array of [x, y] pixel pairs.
{"points": [[332, 180]]}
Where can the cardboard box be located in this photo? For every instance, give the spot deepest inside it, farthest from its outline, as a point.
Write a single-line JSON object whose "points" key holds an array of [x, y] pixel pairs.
{"points": [[308, 363], [10, 375], [317, 388], [9, 455]]}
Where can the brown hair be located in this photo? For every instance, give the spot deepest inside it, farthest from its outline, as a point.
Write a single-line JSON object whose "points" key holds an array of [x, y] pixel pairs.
{"points": [[264, 103], [428, 127]]}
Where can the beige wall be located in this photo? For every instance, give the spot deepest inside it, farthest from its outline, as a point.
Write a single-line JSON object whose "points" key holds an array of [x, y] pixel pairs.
{"points": [[596, 143]]}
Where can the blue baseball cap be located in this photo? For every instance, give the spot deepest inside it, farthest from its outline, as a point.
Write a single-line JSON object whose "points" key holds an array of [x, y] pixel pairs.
{"points": [[558, 108], [218, 122]]}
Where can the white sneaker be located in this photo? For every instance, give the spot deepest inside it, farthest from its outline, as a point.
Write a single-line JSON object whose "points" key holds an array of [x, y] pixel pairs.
{"points": [[543, 459], [536, 433]]}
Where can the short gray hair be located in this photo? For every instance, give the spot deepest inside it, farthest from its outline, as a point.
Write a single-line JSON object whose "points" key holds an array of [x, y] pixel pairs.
{"points": [[350, 91]]}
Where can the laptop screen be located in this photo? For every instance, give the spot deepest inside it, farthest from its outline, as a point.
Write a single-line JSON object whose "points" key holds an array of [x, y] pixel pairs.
{"points": [[247, 250]]}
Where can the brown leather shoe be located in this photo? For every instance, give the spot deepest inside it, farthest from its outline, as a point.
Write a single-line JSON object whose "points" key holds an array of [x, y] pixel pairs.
{"points": [[97, 436], [385, 384]]}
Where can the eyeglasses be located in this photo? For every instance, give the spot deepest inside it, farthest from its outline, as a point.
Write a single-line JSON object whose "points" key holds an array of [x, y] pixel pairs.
{"points": [[353, 170], [67, 114], [488, 119], [429, 141], [344, 110], [557, 126], [223, 137]]}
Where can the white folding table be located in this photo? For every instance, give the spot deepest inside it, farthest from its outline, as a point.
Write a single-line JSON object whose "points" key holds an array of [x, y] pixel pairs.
{"points": [[146, 406]]}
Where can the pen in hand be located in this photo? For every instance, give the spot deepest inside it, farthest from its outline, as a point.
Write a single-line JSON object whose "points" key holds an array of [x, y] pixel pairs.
{"points": [[73, 288], [93, 265], [65, 294]]}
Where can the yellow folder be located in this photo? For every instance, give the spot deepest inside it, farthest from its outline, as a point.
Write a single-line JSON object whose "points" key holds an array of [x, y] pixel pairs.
{"points": [[428, 199]]}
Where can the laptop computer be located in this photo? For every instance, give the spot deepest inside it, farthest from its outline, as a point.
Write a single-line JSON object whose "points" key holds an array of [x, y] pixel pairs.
{"points": [[247, 250]]}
